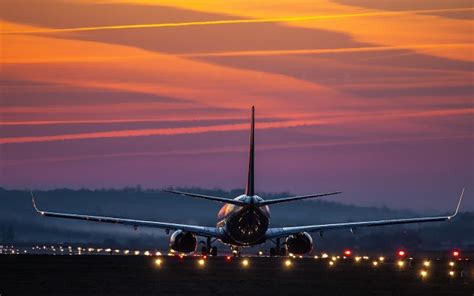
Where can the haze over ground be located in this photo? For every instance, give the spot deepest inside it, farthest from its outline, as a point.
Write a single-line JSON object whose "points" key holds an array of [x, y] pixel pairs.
{"points": [[371, 98]]}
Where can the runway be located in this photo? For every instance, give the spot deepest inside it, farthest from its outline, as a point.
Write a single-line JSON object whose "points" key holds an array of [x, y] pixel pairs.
{"points": [[165, 275]]}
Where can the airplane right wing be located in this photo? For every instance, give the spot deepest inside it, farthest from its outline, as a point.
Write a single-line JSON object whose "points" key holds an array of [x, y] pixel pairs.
{"points": [[198, 230], [285, 231]]}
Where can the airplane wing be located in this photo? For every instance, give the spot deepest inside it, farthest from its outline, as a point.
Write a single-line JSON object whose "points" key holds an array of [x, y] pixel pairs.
{"points": [[285, 231], [292, 198], [198, 230], [213, 198]]}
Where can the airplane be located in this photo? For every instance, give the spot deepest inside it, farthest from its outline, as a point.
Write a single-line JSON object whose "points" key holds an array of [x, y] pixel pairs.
{"points": [[245, 221]]}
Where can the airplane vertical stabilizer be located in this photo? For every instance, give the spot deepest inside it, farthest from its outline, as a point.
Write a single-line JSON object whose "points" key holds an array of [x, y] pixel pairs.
{"points": [[249, 190]]}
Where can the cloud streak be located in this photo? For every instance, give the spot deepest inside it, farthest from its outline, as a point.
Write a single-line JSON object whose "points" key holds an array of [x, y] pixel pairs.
{"points": [[326, 50], [238, 21], [231, 127]]}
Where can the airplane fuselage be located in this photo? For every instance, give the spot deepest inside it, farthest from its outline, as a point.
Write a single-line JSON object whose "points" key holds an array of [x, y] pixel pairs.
{"points": [[244, 225]]}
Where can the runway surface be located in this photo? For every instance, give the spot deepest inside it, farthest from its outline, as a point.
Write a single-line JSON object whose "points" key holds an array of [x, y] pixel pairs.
{"points": [[144, 275]]}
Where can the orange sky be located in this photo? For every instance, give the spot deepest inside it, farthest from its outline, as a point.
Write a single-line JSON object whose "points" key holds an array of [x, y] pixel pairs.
{"points": [[81, 79]]}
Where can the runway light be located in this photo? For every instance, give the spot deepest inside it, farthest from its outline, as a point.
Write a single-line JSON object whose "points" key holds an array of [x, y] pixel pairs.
{"points": [[427, 263], [147, 253], [357, 259], [260, 253], [245, 262], [451, 273], [423, 273], [455, 253], [451, 263], [288, 263], [381, 259], [375, 263], [136, 253], [158, 253], [126, 252], [366, 257], [316, 257], [401, 253], [201, 262], [158, 262], [334, 258], [401, 263], [324, 255], [331, 263]]}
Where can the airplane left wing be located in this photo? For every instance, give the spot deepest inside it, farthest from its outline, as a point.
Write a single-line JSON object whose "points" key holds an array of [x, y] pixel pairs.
{"points": [[198, 230], [285, 231]]}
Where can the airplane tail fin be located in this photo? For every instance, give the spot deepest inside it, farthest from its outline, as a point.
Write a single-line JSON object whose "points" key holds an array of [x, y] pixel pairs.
{"points": [[249, 189]]}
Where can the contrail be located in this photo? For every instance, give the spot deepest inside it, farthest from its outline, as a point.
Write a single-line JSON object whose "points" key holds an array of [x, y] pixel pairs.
{"points": [[239, 149], [227, 127], [323, 50], [239, 21]]}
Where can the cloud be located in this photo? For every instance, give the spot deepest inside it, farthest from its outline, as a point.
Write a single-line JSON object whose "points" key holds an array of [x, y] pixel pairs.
{"points": [[237, 21]]}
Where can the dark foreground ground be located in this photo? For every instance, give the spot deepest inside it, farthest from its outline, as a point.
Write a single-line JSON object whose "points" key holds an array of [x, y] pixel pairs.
{"points": [[139, 275]]}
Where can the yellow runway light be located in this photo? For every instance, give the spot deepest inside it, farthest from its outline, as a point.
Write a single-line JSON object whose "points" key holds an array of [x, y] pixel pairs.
{"points": [[451, 273], [201, 262], [423, 273], [427, 263], [375, 263], [401, 263], [288, 263], [245, 262], [331, 263], [158, 262], [451, 263]]}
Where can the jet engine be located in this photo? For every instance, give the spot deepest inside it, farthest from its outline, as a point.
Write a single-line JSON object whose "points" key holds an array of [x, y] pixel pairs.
{"points": [[183, 242], [299, 243]]}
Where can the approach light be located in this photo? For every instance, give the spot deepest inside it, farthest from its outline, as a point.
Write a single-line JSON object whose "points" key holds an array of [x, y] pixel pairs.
{"points": [[427, 263], [423, 273], [455, 253], [158, 262], [201, 262], [401, 263], [451, 273], [288, 263], [347, 252], [401, 253], [451, 263], [245, 263]]}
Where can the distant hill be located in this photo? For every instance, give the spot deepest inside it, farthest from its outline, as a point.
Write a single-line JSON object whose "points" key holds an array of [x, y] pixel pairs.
{"points": [[20, 224]]}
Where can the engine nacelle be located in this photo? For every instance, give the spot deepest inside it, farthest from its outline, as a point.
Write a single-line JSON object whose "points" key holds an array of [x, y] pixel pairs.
{"points": [[183, 242], [300, 243]]}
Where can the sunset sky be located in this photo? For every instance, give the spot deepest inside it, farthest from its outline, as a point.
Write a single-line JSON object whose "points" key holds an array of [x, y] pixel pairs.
{"points": [[373, 98]]}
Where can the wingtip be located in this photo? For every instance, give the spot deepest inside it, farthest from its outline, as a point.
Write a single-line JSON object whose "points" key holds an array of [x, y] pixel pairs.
{"points": [[34, 203], [459, 203]]}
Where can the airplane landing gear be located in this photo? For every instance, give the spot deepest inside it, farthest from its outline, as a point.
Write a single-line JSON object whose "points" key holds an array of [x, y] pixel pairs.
{"points": [[208, 248], [235, 251], [277, 250]]}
